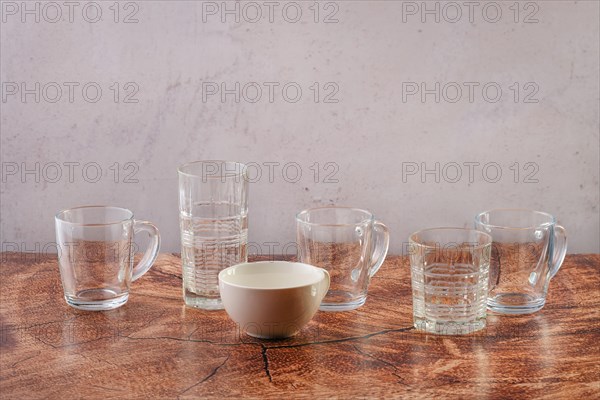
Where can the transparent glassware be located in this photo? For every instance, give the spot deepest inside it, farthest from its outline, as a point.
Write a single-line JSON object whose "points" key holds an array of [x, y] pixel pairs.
{"points": [[213, 220], [349, 244], [449, 276], [95, 255], [527, 251]]}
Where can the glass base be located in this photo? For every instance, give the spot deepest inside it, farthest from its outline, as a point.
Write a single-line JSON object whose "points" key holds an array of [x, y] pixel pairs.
{"points": [[204, 303], [352, 305], [515, 303], [109, 300], [449, 328]]}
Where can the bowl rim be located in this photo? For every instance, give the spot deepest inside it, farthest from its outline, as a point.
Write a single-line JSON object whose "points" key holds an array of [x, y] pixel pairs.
{"points": [[225, 282]]}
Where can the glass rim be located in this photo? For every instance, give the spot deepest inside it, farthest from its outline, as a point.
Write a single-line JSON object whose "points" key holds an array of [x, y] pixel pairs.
{"points": [[243, 169], [487, 236], [551, 218], [368, 216], [59, 217]]}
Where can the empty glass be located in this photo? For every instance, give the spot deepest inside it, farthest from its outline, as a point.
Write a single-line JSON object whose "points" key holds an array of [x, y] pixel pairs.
{"points": [[213, 219], [449, 272], [95, 255], [349, 244], [528, 249]]}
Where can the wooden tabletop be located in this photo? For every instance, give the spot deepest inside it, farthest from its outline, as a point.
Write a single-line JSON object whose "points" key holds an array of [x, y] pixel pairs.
{"points": [[155, 347]]}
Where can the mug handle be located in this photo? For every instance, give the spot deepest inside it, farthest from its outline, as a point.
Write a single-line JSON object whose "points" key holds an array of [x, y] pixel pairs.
{"points": [[382, 242], [151, 252], [560, 249], [324, 286]]}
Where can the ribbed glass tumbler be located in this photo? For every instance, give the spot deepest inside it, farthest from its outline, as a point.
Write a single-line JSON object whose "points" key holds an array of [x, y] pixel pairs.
{"points": [[449, 272]]}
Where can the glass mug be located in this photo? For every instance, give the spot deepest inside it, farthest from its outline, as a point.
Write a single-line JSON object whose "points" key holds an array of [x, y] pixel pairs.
{"points": [[95, 255], [449, 270], [349, 244], [527, 251]]}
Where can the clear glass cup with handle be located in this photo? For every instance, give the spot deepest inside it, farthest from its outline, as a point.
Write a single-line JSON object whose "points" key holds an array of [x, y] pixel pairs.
{"points": [[349, 244], [449, 277], [527, 251], [95, 255], [213, 220]]}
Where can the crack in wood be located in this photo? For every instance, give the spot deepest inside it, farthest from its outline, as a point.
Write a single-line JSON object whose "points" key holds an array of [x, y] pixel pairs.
{"points": [[85, 341], [187, 340], [214, 371], [351, 338], [265, 358], [264, 349], [96, 360], [46, 343], [395, 373], [283, 346], [25, 359], [149, 322], [192, 333]]}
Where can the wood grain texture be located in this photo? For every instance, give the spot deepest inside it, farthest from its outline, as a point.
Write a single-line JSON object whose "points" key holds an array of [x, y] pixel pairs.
{"points": [[155, 347]]}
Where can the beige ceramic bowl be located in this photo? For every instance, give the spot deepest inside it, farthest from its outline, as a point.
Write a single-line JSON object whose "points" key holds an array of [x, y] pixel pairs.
{"points": [[272, 299]]}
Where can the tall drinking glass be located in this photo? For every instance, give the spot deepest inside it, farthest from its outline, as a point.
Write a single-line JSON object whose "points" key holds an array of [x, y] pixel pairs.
{"points": [[213, 219]]}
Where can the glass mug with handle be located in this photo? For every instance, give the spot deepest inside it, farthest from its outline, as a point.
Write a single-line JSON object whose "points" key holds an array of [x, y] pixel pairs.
{"points": [[349, 244], [95, 255], [527, 251]]}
